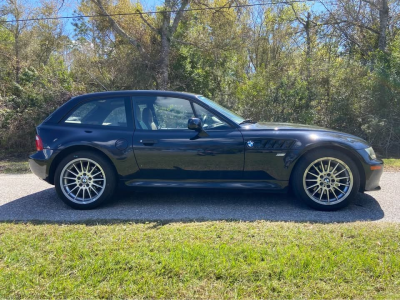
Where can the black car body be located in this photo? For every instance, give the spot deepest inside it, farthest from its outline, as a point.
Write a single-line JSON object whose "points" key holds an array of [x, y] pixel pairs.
{"points": [[228, 153]]}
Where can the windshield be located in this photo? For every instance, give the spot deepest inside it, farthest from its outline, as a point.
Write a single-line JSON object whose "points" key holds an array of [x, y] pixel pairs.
{"points": [[226, 112]]}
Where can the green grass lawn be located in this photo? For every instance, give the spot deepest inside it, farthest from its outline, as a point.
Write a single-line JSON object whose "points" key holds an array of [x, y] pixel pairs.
{"points": [[14, 164], [392, 164], [210, 260], [14, 167]]}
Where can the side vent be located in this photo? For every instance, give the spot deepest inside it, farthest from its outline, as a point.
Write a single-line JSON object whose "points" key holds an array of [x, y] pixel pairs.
{"points": [[275, 144]]}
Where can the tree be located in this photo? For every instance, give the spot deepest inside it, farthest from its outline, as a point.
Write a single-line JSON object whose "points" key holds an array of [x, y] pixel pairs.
{"points": [[17, 10], [308, 25], [363, 21], [164, 32]]}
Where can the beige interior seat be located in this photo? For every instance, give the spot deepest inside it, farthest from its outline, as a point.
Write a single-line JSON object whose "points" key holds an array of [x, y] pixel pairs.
{"points": [[147, 119]]}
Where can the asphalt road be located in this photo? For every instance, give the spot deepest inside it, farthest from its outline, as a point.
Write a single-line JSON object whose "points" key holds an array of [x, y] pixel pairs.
{"points": [[26, 198]]}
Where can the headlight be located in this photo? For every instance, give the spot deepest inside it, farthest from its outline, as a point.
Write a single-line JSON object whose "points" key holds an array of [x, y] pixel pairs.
{"points": [[371, 153]]}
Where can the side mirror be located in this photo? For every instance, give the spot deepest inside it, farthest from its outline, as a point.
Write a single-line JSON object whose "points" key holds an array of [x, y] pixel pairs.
{"points": [[195, 124]]}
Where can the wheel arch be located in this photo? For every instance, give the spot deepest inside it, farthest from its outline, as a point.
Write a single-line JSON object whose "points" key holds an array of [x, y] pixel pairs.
{"points": [[344, 150], [72, 149]]}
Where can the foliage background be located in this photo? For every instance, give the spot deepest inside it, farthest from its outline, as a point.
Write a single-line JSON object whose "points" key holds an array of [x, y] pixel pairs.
{"points": [[331, 63]]}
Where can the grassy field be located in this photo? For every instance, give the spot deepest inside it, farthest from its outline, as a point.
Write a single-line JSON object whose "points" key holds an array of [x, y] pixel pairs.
{"points": [[211, 260], [14, 167], [14, 164], [392, 164]]}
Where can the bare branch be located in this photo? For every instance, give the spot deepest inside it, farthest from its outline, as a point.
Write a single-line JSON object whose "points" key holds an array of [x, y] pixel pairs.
{"points": [[62, 4], [371, 3], [95, 79], [301, 20], [178, 16], [147, 22], [364, 26], [338, 22], [118, 29], [343, 31]]}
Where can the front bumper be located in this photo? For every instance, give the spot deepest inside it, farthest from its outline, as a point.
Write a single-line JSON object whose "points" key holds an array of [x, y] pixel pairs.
{"points": [[373, 169], [40, 163], [372, 178]]}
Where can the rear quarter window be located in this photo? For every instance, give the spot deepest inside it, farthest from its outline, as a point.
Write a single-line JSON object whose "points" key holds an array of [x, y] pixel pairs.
{"points": [[101, 112]]}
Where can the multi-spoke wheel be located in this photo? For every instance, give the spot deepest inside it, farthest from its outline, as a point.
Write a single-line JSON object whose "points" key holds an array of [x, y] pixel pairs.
{"points": [[326, 179], [84, 180]]}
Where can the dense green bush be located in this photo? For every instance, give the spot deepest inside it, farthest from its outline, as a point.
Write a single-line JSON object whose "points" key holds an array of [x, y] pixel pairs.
{"points": [[30, 102]]}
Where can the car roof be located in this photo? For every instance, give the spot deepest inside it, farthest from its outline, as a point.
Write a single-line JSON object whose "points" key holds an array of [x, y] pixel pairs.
{"points": [[59, 113], [135, 92]]}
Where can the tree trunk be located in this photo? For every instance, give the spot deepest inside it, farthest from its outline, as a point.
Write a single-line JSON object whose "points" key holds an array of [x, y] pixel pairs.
{"points": [[383, 24], [307, 28], [17, 58], [165, 48], [164, 59]]}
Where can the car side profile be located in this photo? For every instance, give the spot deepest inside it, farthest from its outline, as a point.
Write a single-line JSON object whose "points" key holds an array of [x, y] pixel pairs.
{"points": [[152, 139]]}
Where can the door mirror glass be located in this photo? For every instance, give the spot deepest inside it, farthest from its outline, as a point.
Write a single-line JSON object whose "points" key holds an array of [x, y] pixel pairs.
{"points": [[194, 124]]}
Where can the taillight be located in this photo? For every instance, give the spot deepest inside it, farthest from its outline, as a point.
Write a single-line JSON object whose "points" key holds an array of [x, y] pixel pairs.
{"points": [[39, 143]]}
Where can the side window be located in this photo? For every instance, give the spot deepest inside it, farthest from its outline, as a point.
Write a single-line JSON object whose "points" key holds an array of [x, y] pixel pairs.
{"points": [[208, 119], [104, 112], [162, 113], [116, 117]]}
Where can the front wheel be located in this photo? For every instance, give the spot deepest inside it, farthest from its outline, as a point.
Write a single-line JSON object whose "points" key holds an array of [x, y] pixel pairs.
{"points": [[84, 180], [326, 179]]}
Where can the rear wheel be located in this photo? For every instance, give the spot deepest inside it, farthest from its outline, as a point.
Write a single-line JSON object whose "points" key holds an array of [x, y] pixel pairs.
{"points": [[84, 180], [326, 179]]}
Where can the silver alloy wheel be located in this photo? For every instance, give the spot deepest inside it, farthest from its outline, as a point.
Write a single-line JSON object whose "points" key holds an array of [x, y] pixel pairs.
{"points": [[82, 181], [328, 181]]}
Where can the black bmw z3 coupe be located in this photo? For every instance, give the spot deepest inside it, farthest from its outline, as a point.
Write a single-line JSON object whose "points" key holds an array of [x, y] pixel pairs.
{"points": [[151, 139]]}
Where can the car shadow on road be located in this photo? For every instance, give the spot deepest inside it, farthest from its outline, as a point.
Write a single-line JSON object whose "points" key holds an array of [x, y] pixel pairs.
{"points": [[167, 206]]}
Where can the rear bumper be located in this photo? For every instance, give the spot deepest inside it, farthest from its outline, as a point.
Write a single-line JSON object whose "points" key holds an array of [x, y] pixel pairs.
{"points": [[40, 163]]}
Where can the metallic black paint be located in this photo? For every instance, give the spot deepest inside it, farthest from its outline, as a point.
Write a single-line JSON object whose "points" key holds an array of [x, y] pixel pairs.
{"points": [[186, 158], [177, 155]]}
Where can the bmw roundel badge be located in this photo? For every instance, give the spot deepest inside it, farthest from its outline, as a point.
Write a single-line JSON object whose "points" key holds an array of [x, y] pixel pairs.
{"points": [[250, 144]]}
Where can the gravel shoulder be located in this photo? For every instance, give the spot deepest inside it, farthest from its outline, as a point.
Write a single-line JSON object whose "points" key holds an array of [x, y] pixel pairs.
{"points": [[27, 198]]}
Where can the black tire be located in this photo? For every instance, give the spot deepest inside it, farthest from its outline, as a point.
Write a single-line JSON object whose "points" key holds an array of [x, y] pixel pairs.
{"points": [[107, 176], [326, 183]]}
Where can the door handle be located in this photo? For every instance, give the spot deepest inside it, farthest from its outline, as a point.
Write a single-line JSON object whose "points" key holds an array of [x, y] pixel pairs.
{"points": [[148, 142]]}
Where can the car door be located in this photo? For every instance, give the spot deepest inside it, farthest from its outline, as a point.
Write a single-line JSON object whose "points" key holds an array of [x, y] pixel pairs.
{"points": [[165, 149]]}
